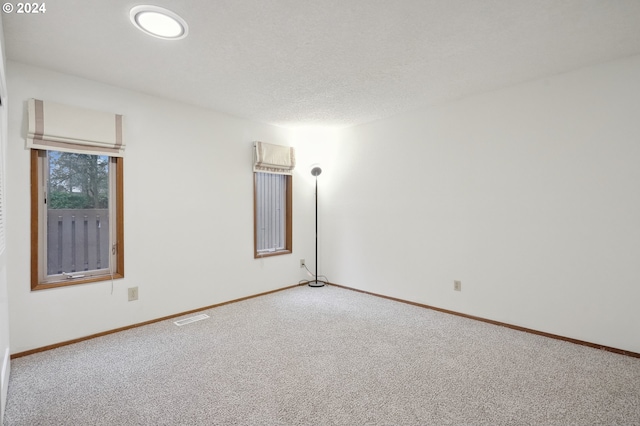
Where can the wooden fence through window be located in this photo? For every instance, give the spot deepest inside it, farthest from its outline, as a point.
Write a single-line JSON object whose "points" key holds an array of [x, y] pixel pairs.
{"points": [[77, 240]]}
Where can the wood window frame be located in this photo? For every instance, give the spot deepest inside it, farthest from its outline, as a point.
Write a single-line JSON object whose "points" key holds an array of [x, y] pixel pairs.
{"points": [[288, 249], [37, 229]]}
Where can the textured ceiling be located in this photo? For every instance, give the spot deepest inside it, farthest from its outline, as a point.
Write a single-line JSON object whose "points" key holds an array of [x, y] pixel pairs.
{"points": [[326, 62]]}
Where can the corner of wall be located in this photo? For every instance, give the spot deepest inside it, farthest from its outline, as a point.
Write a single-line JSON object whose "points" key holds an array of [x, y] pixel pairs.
{"points": [[4, 382]]}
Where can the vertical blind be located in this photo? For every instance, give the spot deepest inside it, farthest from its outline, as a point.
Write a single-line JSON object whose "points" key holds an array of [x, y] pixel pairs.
{"points": [[2, 235], [271, 196]]}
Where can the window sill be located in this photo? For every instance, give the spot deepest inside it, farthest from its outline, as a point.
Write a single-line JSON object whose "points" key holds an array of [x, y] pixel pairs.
{"points": [[270, 253], [74, 281]]}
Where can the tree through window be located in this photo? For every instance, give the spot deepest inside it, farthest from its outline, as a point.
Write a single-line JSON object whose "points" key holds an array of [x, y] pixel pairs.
{"points": [[79, 218]]}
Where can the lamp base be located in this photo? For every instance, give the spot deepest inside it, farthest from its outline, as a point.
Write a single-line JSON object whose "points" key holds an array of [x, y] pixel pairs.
{"points": [[316, 283]]}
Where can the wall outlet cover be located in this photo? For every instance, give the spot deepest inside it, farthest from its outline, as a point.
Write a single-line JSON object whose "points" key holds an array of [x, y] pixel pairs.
{"points": [[133, 293]]}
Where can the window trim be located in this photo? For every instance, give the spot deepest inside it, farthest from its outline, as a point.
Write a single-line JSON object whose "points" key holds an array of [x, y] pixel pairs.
{"points": [[288, 249], [37, 228]]}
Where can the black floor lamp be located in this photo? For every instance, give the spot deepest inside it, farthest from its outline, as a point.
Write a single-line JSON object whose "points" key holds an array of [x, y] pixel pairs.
{"points": [[315, 171]]}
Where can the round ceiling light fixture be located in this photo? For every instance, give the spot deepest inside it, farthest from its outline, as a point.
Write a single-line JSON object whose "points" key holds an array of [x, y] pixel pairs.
{"points": [[159, 22]]}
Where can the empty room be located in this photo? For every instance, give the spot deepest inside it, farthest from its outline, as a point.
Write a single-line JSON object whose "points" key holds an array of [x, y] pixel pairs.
{"points": [[411, 212]]}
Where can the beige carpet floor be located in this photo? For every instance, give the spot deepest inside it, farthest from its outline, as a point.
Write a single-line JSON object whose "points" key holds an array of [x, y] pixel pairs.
{"points": [[324, 356]]}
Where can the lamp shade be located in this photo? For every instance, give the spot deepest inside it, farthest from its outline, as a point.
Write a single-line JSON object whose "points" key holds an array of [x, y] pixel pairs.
{"points": [[315, 170]]}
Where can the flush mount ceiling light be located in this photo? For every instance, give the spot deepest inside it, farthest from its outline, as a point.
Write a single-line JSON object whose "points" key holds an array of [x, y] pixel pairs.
{"points": [[159, 22]]}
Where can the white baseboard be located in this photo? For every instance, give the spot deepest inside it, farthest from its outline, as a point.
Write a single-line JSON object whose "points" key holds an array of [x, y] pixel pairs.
{"points": [[4, 382]]}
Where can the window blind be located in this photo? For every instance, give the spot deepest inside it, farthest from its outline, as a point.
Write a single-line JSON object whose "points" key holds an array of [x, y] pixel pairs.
{"points": [[2, 235], [58, 127], [277, 159], [271, 193]]}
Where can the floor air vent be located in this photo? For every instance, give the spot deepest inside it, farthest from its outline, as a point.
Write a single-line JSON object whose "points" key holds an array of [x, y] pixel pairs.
{"points": [[191, 319]]}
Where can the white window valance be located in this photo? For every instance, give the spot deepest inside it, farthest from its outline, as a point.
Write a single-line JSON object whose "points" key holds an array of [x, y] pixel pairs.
{"points": [[269, 158], [65, 128]]}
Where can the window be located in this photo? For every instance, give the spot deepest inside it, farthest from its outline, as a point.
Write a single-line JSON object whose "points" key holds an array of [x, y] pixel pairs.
{"points": [[272, 214], [2, 166], [76, 218], [77, 232]]}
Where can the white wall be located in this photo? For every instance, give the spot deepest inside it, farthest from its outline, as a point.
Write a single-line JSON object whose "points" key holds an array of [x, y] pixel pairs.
{"points": [[188, 214], [528, 195], [5, 362]]}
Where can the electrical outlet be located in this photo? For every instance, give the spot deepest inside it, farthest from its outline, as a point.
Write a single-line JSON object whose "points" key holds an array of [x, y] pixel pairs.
{"points": [[133, 293], [302, 264], [457, 285]]}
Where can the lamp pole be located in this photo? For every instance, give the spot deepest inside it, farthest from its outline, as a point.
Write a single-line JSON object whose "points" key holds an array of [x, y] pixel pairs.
{"points": [[315, 171]]}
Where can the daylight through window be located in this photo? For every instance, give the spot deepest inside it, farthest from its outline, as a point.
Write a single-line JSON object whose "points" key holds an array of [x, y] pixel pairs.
{"points": [[78, 215]]}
